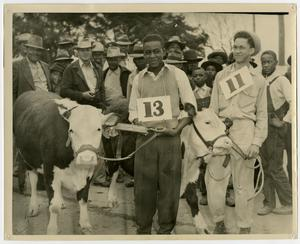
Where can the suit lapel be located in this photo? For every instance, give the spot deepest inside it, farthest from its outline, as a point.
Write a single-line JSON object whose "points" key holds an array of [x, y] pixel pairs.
{"points": [[81, 75], [47, 74], [27, 73]]}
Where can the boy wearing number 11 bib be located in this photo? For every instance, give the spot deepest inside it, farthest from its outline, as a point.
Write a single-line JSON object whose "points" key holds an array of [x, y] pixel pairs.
{"points": [[157, 168]]}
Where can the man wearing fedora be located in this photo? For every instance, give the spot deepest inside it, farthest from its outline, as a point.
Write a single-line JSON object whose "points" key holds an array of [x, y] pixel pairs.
{"points": [[56, 73], [63, 58], [192, 61], [124, 43], [248, 112], [115, 79], [20, 41], [176, 43], [82, 79], [98, 54], [140, 63], [30, 73]]}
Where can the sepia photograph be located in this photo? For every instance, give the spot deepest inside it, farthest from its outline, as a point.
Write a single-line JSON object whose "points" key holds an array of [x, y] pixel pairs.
{"points": [[150, 121]]}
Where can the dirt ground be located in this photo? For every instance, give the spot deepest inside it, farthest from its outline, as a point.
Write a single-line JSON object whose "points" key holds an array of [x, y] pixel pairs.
{"points": [[121, 220]]}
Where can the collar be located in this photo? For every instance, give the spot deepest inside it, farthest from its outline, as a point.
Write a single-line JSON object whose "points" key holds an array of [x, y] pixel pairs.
{"points": [[250, 68], [116, 71], [81, 64], [31, 63], [197, 88], [273, 75], [146, 71]]}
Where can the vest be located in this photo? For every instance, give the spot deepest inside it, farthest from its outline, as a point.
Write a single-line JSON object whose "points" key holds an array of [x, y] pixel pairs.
{"points": [[166, 85]]}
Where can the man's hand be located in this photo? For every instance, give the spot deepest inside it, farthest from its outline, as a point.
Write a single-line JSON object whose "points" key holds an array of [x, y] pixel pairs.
{"points": [[253, 151], [165, 131], [88, 95]]}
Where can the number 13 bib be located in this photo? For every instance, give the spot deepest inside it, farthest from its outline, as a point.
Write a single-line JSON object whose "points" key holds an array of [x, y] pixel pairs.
{"points": [[154, 108]]}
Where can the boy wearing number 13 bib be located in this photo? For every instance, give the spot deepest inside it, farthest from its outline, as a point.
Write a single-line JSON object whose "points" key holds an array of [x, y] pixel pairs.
{"points": [[157, 167]]}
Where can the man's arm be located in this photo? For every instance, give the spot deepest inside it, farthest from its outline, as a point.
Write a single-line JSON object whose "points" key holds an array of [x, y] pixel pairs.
{"points": [[132, 102], [261, 125], [286, 89], [67, 89], [214, 100]]}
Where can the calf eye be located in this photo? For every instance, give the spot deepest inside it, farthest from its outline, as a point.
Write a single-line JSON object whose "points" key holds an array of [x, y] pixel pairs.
{"points": [[98, 129], [70, 130], [207, 122]]}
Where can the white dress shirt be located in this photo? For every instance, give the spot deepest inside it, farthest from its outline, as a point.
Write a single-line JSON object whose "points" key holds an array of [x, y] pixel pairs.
{"points": [[112, 85], [89, 75]]}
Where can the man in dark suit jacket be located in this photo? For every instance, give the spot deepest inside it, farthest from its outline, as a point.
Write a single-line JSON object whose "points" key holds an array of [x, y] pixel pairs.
{"points": [[82, 79], [30, 73]]}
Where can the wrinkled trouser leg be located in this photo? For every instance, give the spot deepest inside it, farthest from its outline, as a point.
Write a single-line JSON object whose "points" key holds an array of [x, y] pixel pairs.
{"points": [[157, 173], [275, 177], [243, 177], [216, 180]]}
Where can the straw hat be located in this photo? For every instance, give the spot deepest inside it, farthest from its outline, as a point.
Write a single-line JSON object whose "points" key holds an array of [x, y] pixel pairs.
{"points": [[113, 52], [24, 37], [35, 41], [98, 47], [172, 58], [85, 43], [123, 40], [138, 51], [175, 39], [191, 55]]}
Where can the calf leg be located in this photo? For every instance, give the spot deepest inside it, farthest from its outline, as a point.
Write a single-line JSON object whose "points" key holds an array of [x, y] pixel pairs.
{"points": [[55, 204], [82, 197], [192, 200], [33, 205]]}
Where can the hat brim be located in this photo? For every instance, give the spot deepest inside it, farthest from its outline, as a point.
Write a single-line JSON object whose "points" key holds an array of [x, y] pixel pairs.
{"points": [[65, 43], [136, 55], [181, 44], [194, 60], [124, 43], [211, 63], [83, 47], [170, 61], [115, 56], [63, 59], [33, 46], [222, 54]]}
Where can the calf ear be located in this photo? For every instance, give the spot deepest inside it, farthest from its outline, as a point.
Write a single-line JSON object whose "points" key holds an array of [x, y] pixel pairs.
{"points": [[65, 107], [110, 119]]}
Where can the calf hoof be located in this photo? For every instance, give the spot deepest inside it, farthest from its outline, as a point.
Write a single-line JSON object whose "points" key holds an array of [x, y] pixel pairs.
{"points": [[202, 231], [52, 230], [33, 211], [86, 230]]}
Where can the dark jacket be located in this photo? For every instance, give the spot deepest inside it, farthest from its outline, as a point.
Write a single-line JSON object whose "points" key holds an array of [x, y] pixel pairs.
{"points": [[22, 77], [73, 84], [123, 78]]}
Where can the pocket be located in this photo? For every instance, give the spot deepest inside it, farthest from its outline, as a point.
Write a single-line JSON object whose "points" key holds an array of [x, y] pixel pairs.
{"points": [[247, 97]]}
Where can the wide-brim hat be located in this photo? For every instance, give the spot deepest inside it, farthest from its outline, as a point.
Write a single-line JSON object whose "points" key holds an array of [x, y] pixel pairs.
{"points": [[62, 55], [84, 44], [175, 39], [174, 59], [217, 66], [24, 37], [114, 52], [35, 41], [98, 47], [218, 53], [191, 55], [123, 41], [137, 51]]}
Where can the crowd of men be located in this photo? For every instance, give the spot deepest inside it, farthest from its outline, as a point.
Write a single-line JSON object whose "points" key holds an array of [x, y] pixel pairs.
{"points": [[91, 73]]}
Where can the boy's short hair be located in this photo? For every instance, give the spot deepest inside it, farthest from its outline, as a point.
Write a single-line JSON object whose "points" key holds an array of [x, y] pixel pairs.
{"points": [[153, 37], [246, 35], [270, 52]]}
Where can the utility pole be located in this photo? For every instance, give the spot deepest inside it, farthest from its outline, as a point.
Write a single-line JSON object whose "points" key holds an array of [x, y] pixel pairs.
{"points": [[281, 40]]}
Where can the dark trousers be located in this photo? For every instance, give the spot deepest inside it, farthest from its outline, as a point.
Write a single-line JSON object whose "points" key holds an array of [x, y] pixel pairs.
{"points": [[288, 148], [275, 177], [157, 172]]}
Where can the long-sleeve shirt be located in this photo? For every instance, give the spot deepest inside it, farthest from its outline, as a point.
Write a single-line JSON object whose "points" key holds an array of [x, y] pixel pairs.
{"points": [[250, 103], [281, 92], [38, 75], [185, 92], [89, 75]]}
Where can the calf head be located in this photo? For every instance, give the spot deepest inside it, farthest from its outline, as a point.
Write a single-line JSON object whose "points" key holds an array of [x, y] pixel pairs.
{"points": [[85, 130], [209, 136]]}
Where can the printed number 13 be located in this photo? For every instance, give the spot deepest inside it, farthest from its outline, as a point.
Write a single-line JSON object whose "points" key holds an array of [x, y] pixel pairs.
{"points": [[157, 105]]}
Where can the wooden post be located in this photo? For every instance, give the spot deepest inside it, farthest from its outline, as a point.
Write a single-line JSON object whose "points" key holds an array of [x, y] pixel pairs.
{"points": [[281, 39]]}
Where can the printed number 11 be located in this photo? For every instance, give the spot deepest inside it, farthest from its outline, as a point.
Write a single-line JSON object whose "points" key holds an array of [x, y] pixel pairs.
{"points": [[157, 105]]}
